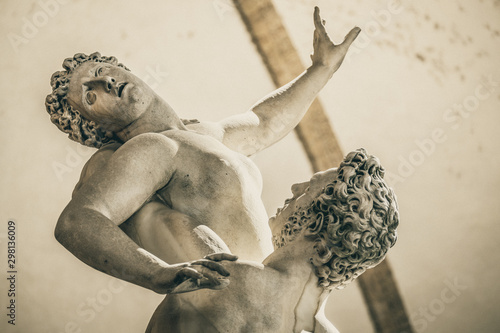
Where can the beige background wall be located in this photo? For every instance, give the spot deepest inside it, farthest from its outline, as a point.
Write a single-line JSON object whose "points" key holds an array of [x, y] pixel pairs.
{"points": [[421, 90]]}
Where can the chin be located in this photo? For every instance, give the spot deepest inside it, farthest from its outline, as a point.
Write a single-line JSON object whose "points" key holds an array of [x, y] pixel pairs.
{"points": [[134, 94]]}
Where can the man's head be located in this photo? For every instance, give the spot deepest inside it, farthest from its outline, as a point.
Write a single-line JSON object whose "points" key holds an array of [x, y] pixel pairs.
{"points": [[95, 97], [349, 213]]}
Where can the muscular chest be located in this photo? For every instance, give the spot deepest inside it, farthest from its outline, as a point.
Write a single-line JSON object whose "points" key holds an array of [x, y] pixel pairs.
{"points": [[206, 169]]}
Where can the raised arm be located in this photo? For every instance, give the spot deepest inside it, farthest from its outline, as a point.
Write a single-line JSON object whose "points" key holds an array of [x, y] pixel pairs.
{"points": [[278, 113], [88, 226]]}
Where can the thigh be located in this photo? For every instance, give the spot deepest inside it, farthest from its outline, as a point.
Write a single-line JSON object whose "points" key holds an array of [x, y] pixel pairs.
{"points": [[170, 235]]}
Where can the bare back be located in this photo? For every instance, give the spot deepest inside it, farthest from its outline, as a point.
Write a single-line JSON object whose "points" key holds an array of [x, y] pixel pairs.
{"points": [[237, 308]]}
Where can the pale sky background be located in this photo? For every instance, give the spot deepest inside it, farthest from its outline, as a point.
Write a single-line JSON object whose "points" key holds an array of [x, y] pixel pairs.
{"points": [[421, 90]]}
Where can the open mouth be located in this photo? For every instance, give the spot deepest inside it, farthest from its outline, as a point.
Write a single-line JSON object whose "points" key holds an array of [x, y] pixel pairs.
{"points": [[121, 86]]}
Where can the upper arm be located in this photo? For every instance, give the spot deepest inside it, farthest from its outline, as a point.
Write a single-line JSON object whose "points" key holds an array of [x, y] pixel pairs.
{"points": [[129, 178], [259, 128], [243, 133]]}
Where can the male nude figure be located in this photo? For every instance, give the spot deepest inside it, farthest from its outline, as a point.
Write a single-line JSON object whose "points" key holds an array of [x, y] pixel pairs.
{"points": [[340, 223], [199, 169]]}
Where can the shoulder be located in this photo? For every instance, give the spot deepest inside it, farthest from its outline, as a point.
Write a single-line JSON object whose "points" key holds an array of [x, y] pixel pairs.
{"points": [[147, 147], [96, 162], [140, 146], [149, 156], [150, 140], [140, 150], [209, 128], [104, 152], [258, 275]]}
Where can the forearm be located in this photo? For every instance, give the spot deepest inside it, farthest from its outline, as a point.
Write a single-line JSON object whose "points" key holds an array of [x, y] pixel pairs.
{"points": [[274, 116], [284, 108], [278, 113], [98, 242]]}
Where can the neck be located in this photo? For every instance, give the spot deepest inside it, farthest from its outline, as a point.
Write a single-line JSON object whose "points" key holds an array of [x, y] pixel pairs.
{"points": [[159, 117], [305, 296]]}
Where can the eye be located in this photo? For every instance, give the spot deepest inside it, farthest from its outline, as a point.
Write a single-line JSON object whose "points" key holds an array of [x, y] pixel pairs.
{"points": [[98, 71], [91, 97]]}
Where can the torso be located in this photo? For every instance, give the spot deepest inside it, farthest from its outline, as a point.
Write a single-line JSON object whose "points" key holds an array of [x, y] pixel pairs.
{"points": [[221, 189]]}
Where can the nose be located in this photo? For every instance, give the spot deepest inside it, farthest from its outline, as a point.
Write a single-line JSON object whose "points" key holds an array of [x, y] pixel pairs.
{"points": [[108, 82], [300, 188]]}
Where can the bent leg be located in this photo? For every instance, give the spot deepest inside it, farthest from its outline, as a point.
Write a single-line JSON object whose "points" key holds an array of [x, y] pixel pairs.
{"points": [[170, 235]]}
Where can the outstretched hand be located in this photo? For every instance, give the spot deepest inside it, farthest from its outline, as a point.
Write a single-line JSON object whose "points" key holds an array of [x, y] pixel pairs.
{"points": [[194, 275], [326, 53]]}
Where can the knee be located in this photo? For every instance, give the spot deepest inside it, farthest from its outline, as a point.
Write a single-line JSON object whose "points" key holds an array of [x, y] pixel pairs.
{"points": [[173, 218]]}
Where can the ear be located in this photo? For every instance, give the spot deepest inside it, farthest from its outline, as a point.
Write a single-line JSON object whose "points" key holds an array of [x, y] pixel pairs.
{"points": [[323, 253], [315, 224]]}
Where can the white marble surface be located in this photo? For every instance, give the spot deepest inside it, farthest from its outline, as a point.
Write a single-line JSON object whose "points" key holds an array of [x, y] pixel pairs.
{"points": [[392, 94]]}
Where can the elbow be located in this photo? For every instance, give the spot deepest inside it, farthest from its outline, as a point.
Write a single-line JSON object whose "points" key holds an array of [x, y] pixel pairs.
{"points": [[60, 230], [63, 228]]}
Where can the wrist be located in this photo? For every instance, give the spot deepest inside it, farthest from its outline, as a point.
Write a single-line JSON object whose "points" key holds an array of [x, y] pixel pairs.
{"points": [[154, 280], [322, 70]]}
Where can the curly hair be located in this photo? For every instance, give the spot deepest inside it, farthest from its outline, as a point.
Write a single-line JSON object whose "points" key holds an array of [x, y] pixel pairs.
{"points": [[353, 222], [64, 116]]}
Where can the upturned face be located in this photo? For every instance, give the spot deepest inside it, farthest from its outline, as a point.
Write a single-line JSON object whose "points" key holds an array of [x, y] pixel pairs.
{"points": [[109, 95], [304, 195]]}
